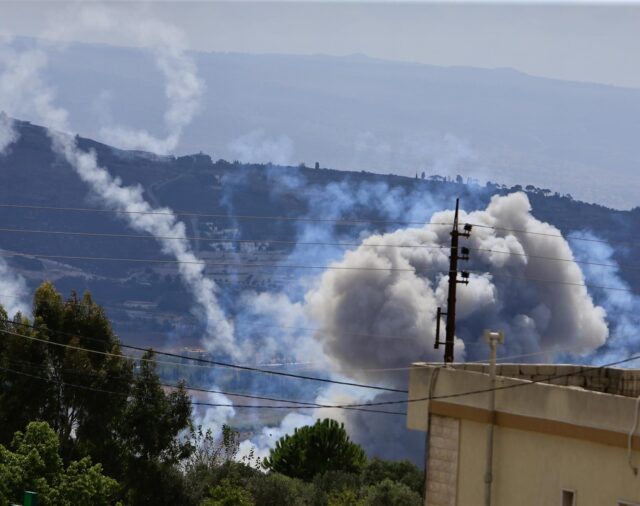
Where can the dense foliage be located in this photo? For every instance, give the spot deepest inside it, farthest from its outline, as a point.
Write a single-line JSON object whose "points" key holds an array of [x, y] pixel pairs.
{"points": [[81, 423], [34, 463], [65, 368], [315, 449]]}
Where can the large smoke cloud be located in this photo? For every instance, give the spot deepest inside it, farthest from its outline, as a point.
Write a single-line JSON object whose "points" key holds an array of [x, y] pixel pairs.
{"points": [[374, 319], [373, 324]]}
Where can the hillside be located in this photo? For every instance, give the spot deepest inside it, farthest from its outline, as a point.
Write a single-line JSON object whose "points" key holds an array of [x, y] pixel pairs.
{"points": [[145, 299]]}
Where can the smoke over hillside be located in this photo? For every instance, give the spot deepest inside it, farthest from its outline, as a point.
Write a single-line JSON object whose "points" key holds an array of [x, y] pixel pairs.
{"points": [[366, 308], [23, 88], [374, 311], [387, 318]]}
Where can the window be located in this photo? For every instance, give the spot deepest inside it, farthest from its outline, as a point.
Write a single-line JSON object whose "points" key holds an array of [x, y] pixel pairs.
{"points": [[568, 498]]}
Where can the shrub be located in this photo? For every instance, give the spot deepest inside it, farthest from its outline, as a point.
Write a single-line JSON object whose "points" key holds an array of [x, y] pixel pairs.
{"points": [[377, 470], [391, 493]]}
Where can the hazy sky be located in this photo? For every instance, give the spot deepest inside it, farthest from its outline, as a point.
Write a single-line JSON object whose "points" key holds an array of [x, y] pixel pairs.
{"points": [[585, 42]]}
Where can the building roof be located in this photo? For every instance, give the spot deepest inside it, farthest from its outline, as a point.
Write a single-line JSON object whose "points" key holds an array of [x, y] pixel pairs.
{"points": [[596, 399], [608, 380]]}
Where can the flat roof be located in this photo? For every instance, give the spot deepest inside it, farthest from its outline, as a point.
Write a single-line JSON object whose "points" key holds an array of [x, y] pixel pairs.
{"points": [[610, 380]]}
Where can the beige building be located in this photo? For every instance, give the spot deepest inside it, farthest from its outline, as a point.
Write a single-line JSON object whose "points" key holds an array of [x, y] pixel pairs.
{"points": [[561, 442]]}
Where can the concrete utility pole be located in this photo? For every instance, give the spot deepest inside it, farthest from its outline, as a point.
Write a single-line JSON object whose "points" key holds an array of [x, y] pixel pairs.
{"points": [[456, 254], [493, 339]]}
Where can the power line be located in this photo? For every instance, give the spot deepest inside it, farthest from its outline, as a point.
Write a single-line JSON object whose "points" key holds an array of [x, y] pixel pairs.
{"points": [[548, 234], [296, 403], [308, 243], [289, 266], [205, 263], [193, 403], [225, 216], [213, 362], [405, 401], [505, 387], [317, 330], [295, 218], [551, 281], [182, 364], [205, 239]]}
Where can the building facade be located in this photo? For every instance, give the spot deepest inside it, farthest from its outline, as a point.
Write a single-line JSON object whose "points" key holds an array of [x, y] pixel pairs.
{"points": [[563, 440]]}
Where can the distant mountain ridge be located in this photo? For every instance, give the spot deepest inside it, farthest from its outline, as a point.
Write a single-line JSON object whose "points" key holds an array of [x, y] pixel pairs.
{"points": [[360, 113]]}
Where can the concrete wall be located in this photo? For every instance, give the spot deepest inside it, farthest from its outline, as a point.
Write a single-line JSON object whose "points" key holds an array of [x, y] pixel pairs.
{"points": [[547, 438], [531, 469], [444, 438]]}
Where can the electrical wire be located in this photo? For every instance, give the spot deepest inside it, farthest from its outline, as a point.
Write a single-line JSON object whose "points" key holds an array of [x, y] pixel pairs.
{"points": [[586, 370], [205, 239], [225, 216], [316, 330], [549, 281], [205, 263], [548, 234], [288, 266], [213, 362], [295, 403], [187, 357], [295, 218], [306, 243]]}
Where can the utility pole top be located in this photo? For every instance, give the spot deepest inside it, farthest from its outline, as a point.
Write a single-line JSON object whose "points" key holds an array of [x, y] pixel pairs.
{"points": [[456, 254]]}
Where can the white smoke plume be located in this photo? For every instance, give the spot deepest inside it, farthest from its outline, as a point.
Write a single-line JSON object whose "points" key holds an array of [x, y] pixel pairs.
{"points": [[214, 419], [21, 83], [183, 89], [262, 443], [256, 147], [386, 319], [602, 270], [13, 291], [167, 44], [162, 223], [8, 134], [442, 154]]}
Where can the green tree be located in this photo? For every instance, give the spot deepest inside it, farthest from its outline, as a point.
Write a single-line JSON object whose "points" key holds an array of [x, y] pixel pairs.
{"points": [[66, 368], [53, 375], [334, 483], [391, 493], [311, 450], [35, 464], [405, 472], [227, 494], [276, 489], [150, 431], [346, 497]]}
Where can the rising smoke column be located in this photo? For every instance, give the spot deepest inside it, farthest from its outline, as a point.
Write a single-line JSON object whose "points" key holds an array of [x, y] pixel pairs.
{"points": [[8, 134], [24, 90], [159, 223], [167, 45]]}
